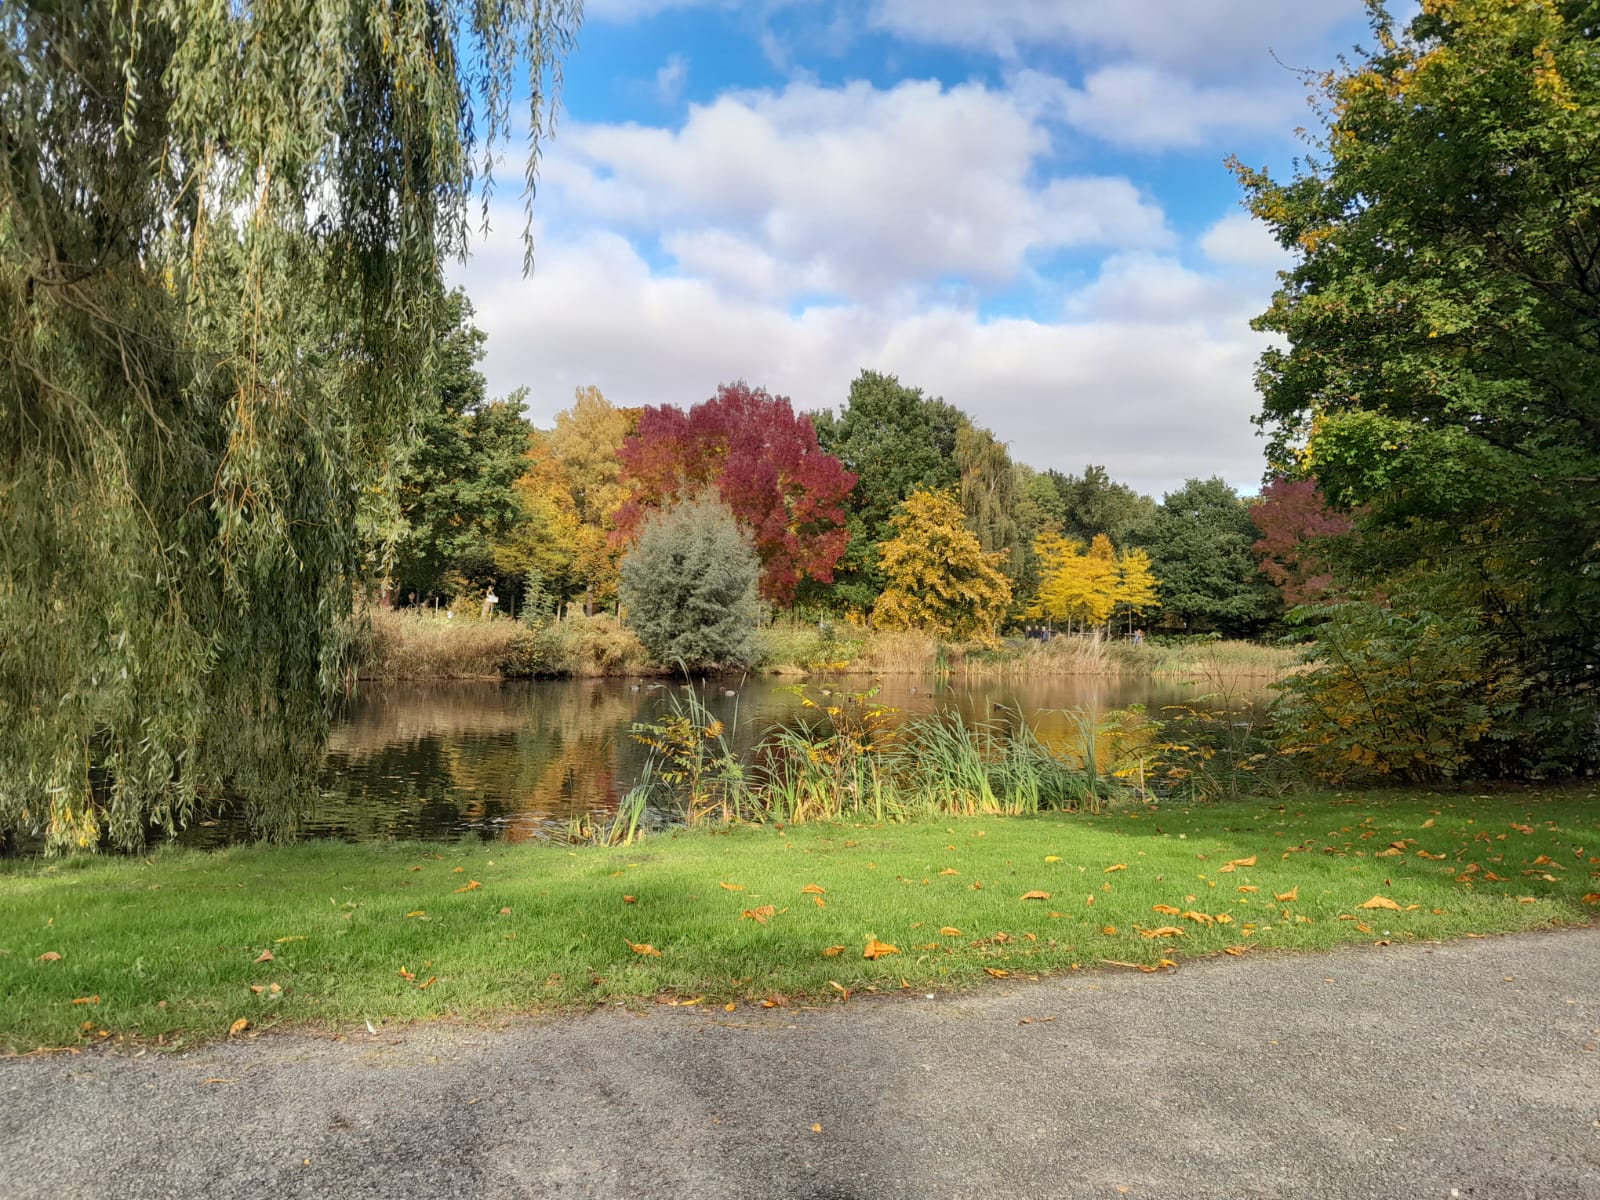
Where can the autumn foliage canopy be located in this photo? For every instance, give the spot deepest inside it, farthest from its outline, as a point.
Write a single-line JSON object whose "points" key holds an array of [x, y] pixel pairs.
{"points": [[763, 460]]}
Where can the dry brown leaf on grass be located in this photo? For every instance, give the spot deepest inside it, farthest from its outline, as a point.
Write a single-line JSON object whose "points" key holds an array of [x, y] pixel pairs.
{"points": [[1165, 931], [1380, 902], [264, 956], [833, 952], [238, 1026], [427, 983], [731, 887], [1109, 930], [949, 871], [625, 900], [416, 912], [87, 1000], [1199, 918], [758, 915], [643, 948], [49, 956], [1238, 862], [819, 902], [1164, 909], [877, 949], [1116, 867], [996, 972], [812, 889], [949, 931], [1036, 895], [1591, 897], [471, 885]]}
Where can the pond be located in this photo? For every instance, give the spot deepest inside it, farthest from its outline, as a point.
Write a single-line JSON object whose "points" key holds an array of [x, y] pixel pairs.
{"points": [[517, 761]]}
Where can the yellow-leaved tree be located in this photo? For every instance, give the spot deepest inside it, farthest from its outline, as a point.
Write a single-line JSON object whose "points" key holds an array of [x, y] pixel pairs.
{"points": [[1082, 587], [585, 440], [940, 580], [1137, 588]]}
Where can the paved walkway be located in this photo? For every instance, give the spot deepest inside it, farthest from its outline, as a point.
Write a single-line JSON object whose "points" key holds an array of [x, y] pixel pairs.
{"points": [[1466, 1070]]}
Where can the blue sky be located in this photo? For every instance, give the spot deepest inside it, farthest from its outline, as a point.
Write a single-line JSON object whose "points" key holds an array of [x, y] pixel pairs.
{"points": [[1018, 205]]}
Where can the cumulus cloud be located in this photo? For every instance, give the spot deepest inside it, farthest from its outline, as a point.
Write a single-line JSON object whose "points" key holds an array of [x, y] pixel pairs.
{"points": [[855, 190], [1239, 240], [1154, 108], [1211, 38]]}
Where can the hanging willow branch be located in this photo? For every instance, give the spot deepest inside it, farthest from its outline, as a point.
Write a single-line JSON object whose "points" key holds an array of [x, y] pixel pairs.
{"points": [[222, 226]]}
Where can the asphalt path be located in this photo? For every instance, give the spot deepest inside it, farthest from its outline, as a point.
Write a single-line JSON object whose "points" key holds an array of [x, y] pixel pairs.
{"points": [[1463, 1069]]}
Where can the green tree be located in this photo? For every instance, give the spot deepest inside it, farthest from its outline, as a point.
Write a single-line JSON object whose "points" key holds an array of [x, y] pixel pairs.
{"points": [[894, 440], [1094, 503], [688, 586], [941, 580], [989, 496], [1199, 541], [457, 480], [221, 233], [1443, 362]]}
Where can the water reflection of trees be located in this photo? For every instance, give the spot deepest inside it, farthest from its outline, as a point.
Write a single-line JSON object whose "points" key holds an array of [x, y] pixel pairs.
{"points": [[515, 761], [509, 761]]}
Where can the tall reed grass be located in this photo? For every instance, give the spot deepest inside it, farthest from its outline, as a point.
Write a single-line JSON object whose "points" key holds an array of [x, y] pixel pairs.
{"points": [[418, 643]]}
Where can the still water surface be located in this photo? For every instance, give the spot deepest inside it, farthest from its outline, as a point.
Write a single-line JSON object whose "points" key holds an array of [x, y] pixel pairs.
{"points": [[516, 761]]}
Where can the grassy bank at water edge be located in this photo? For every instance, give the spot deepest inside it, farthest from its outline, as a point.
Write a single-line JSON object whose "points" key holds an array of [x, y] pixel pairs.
{"points": [[182, 946]]}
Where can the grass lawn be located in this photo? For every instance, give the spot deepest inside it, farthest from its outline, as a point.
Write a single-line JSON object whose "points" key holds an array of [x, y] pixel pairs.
{"points": [[181, 946]]}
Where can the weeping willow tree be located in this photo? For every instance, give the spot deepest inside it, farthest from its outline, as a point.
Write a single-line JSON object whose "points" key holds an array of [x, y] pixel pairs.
{"points": [[222, 226]]}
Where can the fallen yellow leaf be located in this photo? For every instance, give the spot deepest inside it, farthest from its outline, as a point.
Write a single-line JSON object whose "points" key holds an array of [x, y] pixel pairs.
{"points": [[731, 887], [416, 913], [1052, 858], [1036, 895], [625, 900], [238, 1026], [264, 956], [297, 937], [87, 1000], [1248, 888], [1292, 894], [49, 956], [949, 871], [1164, 909], [816, 1129], [471, 885], [426, 983], [1224, 919], [1238, 862], [1199, 918], [812, 889], [833, 951], [1109, 930], [1233, 950], [1164, 932], [996, 972], [949, 931], [819, 902], [877, 949], [642, 948], [1116, 867], [758, 915], [1380, 902], [1591, 897]]}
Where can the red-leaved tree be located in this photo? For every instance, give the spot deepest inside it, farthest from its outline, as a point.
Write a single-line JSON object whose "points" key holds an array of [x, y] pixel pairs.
{"points": [[763, 460], [1293, 518]]}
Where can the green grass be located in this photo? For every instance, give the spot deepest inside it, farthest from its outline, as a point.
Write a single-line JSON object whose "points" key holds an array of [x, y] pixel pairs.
{"points": [[169, 944]]}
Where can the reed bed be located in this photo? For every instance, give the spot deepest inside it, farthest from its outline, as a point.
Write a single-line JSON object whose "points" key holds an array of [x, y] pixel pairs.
{"points": [[407, 644]]}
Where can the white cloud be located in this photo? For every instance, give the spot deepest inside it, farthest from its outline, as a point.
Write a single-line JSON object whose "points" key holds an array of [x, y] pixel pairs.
{"points": [[852, 190], [1154, 108], [1239, 240], [671, 78], [1214, 38]]}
